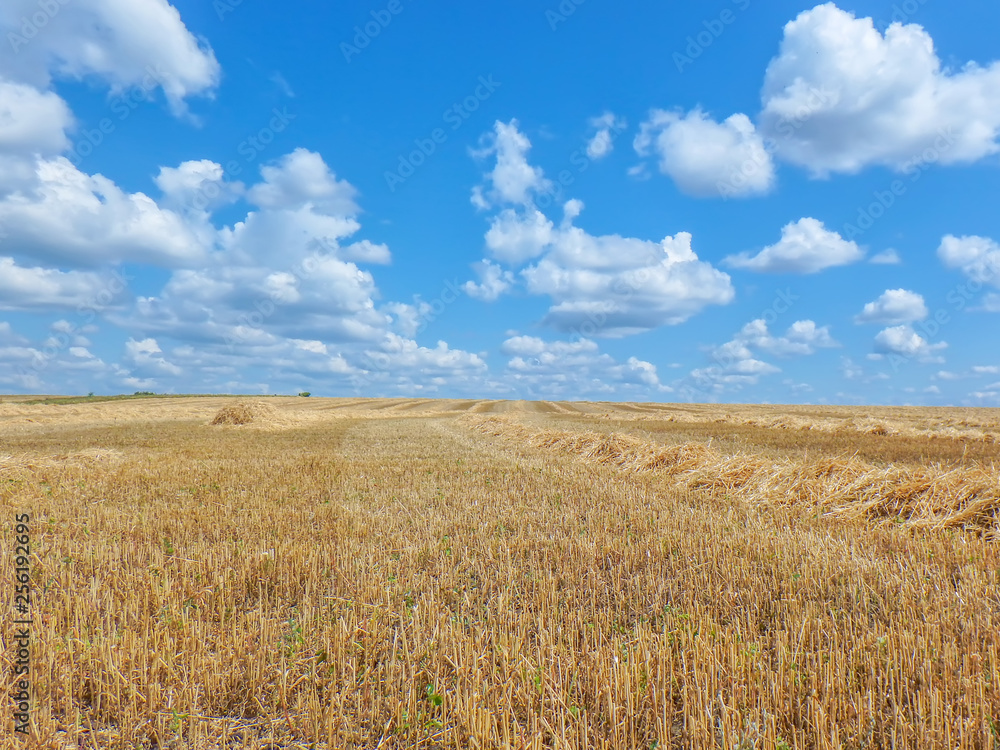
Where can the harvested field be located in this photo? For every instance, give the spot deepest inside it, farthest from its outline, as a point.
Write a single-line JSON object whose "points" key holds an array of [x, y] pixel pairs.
{"points": [[449, 574]]}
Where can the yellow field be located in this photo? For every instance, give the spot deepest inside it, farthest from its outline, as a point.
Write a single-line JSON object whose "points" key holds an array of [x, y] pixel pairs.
{"points": [[350, 573]]}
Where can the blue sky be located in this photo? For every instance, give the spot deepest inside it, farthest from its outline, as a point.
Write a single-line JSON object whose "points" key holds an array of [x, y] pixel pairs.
{"points": [[725, 201]]}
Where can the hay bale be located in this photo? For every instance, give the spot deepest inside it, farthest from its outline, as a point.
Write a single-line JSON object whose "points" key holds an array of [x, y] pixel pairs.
{"points": [[245, 412]]}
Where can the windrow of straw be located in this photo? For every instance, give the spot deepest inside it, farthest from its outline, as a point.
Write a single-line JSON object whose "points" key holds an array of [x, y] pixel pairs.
{"points": [[965, 497]]}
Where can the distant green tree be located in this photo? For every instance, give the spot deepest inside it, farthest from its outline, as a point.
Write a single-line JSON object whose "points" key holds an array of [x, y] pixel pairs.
{"points": [[305, 394]]}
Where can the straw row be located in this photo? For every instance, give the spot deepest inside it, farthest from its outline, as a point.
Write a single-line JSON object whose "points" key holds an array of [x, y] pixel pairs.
{"points": [[965, 497]]}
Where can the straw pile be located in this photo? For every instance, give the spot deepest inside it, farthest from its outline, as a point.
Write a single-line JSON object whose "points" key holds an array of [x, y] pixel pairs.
{"points": [[925, 497], [244, 413]]}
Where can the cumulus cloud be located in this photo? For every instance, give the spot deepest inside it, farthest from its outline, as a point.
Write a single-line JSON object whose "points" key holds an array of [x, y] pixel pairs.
{"points": [[517, 235], [77, 219], [886, 258], [706, 158], [841, 96], [806, 246], [608, 285], [736, 363], [120, 41], [606, 127], [34, 288], [493, 282], [571, 369], [894, 306], [977, 257], [302, 178], [32, 121], [196, 186], [145, 357], [903, 341], [513, 179]]}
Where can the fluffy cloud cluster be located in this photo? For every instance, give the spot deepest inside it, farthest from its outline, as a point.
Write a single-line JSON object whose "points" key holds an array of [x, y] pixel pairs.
{"points": [[838, 97], [806, 246], [571, 370], [841, 96], [736, 363], [903, 341], [283, 286], [118, 41], [707, 158], [608, 285], [606, 127], [894, 306], [977, 257]]}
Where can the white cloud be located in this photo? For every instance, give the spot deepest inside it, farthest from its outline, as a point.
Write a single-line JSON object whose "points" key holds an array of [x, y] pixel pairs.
{"points": [[602, 143], [24, 288], [517, 235], [706, 158], [608, 285], [616, 286], [894, 306], [886, 258], [735, 363], [986, 370], [513, 179], [196, 185], [302, 178], [494, 281], [905, 342], [406, 356], [572, 369], [32, 121], [141, 357], [977, 257], [991, 303], [120, 41], [806, 246], [86, 220], [841, 96]]}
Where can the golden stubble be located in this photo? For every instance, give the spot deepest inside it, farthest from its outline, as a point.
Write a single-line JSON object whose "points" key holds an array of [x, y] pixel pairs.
{"points": [[351, 573]]}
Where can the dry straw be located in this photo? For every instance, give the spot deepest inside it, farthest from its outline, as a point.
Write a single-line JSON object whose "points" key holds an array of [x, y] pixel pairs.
{"points": [[244, 413], [967, 497]]}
